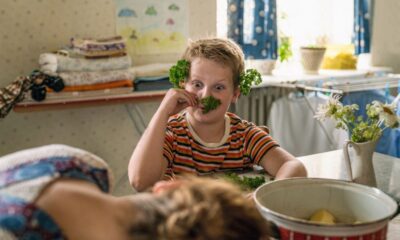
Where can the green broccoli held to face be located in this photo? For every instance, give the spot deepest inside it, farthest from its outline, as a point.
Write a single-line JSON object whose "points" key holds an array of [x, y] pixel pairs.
{"points": [[210, 103], [178, 73]]}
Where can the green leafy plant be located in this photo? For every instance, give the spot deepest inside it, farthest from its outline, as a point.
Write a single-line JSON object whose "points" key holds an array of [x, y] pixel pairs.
{"points": [[247, 79], [209, 103], [379, 117], [178, 73], [245, 183], [285, 49]]}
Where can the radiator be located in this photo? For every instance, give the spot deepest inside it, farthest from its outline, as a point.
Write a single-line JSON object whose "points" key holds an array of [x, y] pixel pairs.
{"points": [[256, 106]]}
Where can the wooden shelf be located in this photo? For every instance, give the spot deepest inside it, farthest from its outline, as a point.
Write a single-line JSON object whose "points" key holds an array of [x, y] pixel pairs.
{"points": [[146, 96], [77, 102]]}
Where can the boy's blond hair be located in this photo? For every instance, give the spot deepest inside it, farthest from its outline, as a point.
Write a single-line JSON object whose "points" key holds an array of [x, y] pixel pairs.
{"points": [[221, 50], [200, 209]]}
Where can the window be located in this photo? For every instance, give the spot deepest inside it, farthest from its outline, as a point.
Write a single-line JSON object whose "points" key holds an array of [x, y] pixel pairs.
{"points": [[222, 18], [304, 21], [309, 21]]}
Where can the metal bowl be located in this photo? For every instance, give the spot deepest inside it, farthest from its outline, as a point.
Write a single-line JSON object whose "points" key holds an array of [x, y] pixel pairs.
{"points": [[361, 211]]}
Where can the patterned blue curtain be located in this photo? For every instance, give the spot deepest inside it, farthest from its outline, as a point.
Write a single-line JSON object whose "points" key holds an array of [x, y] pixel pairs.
{"points": [[252, 24], [362, 34]]}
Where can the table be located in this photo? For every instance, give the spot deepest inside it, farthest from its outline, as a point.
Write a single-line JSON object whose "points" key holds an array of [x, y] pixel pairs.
{"points": [[387, 171]]}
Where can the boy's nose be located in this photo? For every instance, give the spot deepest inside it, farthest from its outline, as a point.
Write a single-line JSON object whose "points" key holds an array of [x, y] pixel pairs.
{"points": [[205, 92]]}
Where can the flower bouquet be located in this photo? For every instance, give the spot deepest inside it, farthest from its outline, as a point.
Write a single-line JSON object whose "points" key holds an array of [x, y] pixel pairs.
{"points": [[363, 132], [379, 117]]}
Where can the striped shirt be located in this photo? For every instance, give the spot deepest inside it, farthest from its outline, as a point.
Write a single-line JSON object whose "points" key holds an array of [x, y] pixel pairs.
{"points": [[243, 145]]}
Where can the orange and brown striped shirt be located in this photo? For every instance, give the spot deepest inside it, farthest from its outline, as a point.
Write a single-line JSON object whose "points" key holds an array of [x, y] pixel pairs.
{"points": [[243, 145]]}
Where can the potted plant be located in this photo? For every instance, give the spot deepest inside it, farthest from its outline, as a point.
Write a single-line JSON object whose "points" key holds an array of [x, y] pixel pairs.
{"points": [[266, 66], [283, 63], [311, 58], [284, 49]]}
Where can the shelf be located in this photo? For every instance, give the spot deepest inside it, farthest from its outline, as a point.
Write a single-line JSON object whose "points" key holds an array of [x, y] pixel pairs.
{"points": [[352, 76], [77, 102]]}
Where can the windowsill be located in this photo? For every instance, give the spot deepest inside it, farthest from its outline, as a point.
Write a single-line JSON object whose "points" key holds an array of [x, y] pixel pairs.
{"points": [[297, 76]]}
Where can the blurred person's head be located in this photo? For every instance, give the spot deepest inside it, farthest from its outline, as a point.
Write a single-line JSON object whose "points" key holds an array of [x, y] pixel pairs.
{"points": [[198, 208]]}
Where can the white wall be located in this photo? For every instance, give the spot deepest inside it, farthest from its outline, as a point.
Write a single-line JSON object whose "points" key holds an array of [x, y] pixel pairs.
{"points": [[386, 35], [30, 27]]}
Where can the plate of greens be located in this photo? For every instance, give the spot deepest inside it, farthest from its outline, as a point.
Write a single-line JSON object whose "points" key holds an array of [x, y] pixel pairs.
{"points": [[247, 181]]}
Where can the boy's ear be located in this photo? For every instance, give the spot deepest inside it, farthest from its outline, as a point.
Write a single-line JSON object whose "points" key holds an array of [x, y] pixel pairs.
{"points": [[236, 94]]}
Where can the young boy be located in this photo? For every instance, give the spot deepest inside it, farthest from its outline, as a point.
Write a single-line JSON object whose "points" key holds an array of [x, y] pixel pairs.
{"points": [[199, 141]]}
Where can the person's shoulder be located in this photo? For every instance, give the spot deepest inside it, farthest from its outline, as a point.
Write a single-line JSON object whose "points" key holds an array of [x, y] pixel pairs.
{"points": [[177, 121], [179, 117], [58, 159], [49, 153], [238, 123]]}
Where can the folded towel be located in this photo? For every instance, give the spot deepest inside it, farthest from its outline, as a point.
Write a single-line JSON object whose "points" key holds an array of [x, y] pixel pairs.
{"points": [[99, 86], [113, 43], [87, 78], [102, 54], [93, 93], [152, 70], [51, 63], [151, 79], [153, 85]]}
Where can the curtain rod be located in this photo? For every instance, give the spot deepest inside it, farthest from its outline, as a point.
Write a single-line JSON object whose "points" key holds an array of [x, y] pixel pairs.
{"points": [[307, 88], [344, 85]]}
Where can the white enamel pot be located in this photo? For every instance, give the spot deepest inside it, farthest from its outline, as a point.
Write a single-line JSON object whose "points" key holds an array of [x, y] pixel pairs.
{"points": [[361, 211]]}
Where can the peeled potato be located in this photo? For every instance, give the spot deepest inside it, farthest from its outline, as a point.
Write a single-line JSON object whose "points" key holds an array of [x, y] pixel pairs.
{"points": [[322, 216]]}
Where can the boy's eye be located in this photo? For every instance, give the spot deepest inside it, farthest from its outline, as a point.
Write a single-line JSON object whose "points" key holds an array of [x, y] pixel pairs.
{"points": [[220, 87], [197, 84]]}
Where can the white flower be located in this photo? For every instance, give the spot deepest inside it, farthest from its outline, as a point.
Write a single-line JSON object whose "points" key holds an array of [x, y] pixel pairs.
{"points": [[322, 112], [388, 116], [326, 110], [386, 113], [375, 109], [334, 100], [361, 129]]}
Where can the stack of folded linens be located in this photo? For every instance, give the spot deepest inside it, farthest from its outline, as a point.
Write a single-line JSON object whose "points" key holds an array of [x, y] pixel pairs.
{"points": [[98, 66]]}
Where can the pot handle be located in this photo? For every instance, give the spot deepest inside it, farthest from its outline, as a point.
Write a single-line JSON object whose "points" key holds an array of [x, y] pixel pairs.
{"points": [[347, 158]]}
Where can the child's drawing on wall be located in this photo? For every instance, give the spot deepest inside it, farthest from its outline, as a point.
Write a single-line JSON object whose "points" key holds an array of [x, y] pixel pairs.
{"points": [[153, 27]]}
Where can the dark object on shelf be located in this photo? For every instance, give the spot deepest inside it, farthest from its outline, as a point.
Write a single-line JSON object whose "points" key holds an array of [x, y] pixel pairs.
{"points": [[38, 92], [152, 83], [55, 83], [39, 82]]}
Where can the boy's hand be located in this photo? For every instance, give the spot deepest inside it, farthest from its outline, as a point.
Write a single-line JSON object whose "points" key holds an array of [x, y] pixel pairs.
{"points": [[161, 186], [176, 100]]}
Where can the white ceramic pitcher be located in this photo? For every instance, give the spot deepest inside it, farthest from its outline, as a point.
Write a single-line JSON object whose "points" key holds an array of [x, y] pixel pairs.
{"points": [[360, 168]]}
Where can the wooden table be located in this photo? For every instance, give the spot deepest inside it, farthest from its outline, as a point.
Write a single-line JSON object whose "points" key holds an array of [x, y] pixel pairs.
{"points": [[387, 171]]}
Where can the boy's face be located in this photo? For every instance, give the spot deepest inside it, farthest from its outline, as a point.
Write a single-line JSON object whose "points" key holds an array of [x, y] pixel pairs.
{"points": [[209, 78]]}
